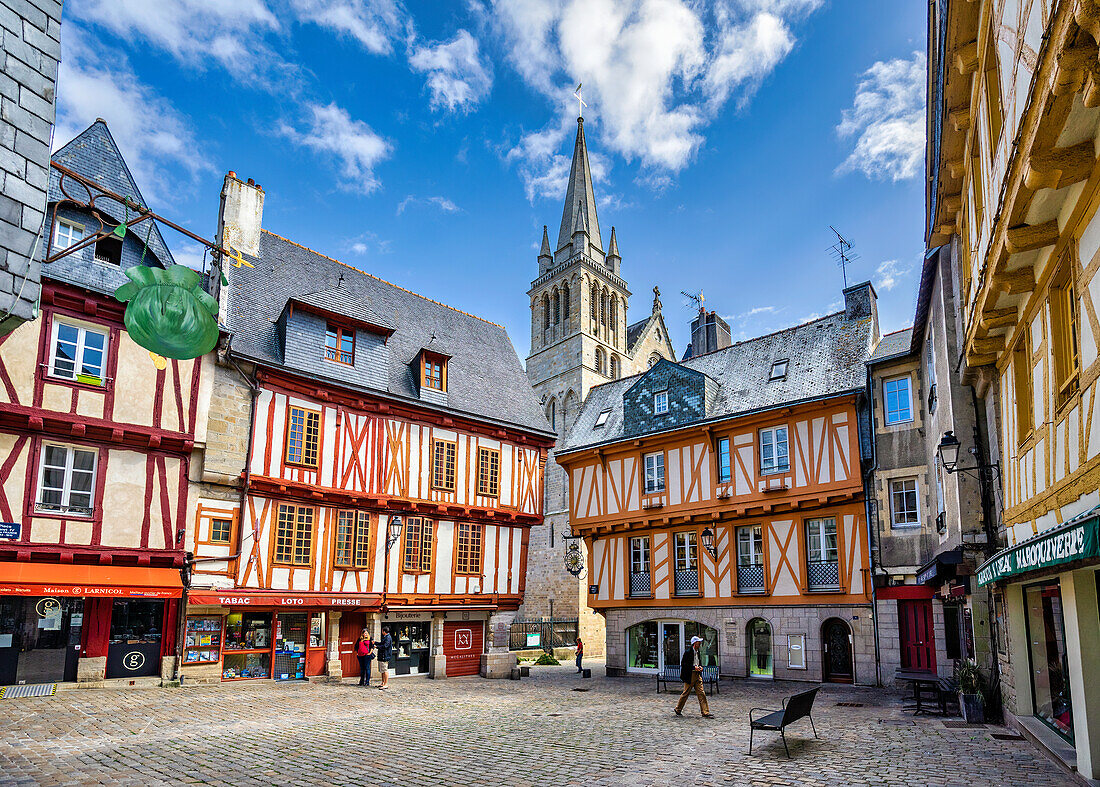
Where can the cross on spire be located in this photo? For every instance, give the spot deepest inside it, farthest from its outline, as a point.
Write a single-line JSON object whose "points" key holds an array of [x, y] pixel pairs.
{"points": [[580, 101]]}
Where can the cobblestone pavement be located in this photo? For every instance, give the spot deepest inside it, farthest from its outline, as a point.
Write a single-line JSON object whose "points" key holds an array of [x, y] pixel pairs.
{"points": [[553, 728]]}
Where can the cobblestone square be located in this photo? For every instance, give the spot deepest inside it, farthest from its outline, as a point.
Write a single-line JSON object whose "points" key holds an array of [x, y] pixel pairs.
{"points": [[551, 728]]}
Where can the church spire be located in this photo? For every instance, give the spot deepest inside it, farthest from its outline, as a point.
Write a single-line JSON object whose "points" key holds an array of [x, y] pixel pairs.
{"points": [[545, 250], [579, 197]]}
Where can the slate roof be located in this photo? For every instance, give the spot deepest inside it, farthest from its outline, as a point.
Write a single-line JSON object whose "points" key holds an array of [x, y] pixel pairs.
{"points": [[634, 331], [341, 301], [485, 377], [892, 345], [827, 358]]}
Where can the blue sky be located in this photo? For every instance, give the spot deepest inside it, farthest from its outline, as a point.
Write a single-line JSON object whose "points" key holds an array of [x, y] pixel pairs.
{"points": [[427, 142]]}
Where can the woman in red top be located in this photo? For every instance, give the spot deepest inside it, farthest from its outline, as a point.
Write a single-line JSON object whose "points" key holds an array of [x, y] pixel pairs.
{"points": [[580, 654], [364, 651]]}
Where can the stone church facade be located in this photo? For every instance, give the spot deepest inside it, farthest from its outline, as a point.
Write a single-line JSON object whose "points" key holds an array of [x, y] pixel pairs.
{"points": [[580, 338]]}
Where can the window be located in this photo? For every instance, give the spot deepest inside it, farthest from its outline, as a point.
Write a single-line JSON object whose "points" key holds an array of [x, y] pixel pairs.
{"points": [[601, 419], [66, 480], [340, 344], [1063, 325], [600, 360], [654, 473], [109, 250], [352, 539], [418, 545], [898, 398], [1021, 374], [903, 503], [443, 465], [821, 554], [773, 451], [294, 535], [79, 353], [468, 559], [660, 403], [565, 303], [639, 566], [552, 415], [724, 459], [488, 472], [779, 369], [221, 531], [687, 565], [303, 434], [750, 559], [556, 308], [434, 373], [68, 234], [615, 367]]}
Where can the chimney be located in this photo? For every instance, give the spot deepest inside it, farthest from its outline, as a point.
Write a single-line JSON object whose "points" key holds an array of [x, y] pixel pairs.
{"points": [[861, 303], [709, 333], [240, 215]]}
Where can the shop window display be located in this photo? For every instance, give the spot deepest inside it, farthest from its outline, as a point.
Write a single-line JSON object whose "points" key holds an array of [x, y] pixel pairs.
{"points": [[411, 647], [1049, 659], [247, 631], [290, 646], [203, 640], [642, 645]]}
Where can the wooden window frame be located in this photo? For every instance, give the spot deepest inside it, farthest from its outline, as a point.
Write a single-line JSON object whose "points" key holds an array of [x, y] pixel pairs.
{"points": [[285, 548], [488, 478], [438, 482], [336, 353], [1022, 384], [691, 548], [645, 473], [469, 549], [908, 380], [753, 530], [1065, 346], [303, 461], [660, 397], [417, 546], [724, 478], [427, 379], [774, 442], [894, 524], [72, 225], [64, 508], [228, 533], [353, 555], [82, 330]]}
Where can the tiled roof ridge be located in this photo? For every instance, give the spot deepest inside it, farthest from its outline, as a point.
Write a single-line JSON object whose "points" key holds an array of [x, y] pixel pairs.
{"points": [[895, 333], [379, 278]]}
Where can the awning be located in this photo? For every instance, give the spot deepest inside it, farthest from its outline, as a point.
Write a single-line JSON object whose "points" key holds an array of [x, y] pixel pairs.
{"points": [[941, 565], [92, 581], [244, 598], [1073, 540]]}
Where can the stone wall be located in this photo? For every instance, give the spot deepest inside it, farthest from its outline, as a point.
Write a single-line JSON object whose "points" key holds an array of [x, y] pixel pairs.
{"points": [[227, 427], [31, 35]]}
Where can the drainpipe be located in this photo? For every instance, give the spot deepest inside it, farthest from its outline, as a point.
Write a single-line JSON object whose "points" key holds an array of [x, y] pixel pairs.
{"points": [[869, 476]]}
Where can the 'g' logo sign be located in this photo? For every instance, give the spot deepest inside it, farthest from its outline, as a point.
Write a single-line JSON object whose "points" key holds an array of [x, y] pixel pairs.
{"points": [[48, 608], [134, 660]]}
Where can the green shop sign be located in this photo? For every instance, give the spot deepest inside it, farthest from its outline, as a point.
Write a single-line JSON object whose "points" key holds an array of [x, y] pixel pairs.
{"points": [[1072, 541]]}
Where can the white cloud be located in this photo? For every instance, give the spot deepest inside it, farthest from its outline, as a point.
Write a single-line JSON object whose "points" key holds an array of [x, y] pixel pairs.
{"points": [[150, 132], [891, 272], [373, 23], [444, 204], [655, 72], [354, 145], [457, 77], [887, 119], [543, 158]]}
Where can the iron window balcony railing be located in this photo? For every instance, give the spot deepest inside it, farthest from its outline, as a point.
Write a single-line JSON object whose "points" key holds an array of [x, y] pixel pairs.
{"points": [[640, 584], [823, 575], [687, 582], [750, 579]]}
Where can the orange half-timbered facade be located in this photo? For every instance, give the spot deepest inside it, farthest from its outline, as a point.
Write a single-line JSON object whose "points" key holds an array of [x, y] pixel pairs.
{"points": [[723, 497], [384, 485]]}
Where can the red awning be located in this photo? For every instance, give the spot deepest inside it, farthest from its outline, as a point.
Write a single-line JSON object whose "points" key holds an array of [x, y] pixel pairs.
{"points": [[245, 598], [70, 579]]}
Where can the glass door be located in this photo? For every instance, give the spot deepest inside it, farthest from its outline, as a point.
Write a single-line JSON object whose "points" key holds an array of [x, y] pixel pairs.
{"points": [[760, 649], [134, 647], [39, 634], [1046, 636], [291, 636], [672, 648]]}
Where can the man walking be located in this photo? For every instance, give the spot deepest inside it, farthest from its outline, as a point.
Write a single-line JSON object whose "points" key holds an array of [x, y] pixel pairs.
{"points": [[385, 655], [691, 673]]}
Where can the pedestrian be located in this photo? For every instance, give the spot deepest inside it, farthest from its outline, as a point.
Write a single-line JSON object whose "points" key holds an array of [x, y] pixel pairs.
{"points": [[364, 651], [580, 654], [385, 654], [691, 673]]}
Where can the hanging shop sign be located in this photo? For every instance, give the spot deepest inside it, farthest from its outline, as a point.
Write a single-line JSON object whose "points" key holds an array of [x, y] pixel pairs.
{"points": [[1074, 540]]}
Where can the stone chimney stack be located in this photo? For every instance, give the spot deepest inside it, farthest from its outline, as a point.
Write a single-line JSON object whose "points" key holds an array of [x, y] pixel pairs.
{"points": [[239, 219], [861, 303]]}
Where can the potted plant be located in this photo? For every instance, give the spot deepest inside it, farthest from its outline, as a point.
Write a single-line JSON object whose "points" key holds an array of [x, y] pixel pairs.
{"points": [[969, 679]]}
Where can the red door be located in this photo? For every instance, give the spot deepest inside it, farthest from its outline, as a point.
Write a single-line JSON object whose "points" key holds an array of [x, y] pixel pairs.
{"points": [[918, 638], [462, 647], [351, 626]]}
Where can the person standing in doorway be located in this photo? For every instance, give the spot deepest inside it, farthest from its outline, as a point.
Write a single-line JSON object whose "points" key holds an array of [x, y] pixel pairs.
{"points": [[385, 655], [580, 654], [364, 651], [691, 673]]}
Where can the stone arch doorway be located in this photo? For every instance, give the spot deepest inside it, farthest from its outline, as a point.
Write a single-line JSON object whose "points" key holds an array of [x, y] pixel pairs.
{"points": [[759, 637], [836, 652]]}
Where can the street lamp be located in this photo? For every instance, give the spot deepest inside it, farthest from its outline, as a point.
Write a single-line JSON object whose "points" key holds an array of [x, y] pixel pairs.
{"points": [[948, 452], [394, 531], [708, 542]]}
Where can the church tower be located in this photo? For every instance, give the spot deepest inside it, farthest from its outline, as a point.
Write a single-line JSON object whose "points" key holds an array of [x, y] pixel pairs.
{"points": [[579, 339]]}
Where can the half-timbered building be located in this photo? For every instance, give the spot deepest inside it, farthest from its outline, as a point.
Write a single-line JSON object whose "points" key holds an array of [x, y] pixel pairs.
{"points": [[376, 458], [95, 448], [723, 497]]}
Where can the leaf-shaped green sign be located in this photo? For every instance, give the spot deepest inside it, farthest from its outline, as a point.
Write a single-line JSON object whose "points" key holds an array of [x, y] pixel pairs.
{"points": [[167, 311]]}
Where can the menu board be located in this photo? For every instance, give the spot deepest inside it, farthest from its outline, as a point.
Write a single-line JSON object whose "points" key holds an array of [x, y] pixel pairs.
{"points": [[203, 640]]}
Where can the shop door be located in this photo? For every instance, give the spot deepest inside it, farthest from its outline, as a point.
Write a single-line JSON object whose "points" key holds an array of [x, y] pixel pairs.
{"points": [[918, 638], [760, 649], [134, 647], [291, 636], [836, 642], [39, 639], [351, 626], [672, 647], [317, 653], [462, 647]]}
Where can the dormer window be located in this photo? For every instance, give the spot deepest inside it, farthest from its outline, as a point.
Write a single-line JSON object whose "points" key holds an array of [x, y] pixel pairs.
{"points": [[601, 419], [68, 234], [660, 403], [779, 370], [433, 372], [109, 250], [340, 344]]}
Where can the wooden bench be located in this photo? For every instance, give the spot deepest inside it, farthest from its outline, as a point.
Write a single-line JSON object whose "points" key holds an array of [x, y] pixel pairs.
{"points": [[672, 675], [794, 708]]}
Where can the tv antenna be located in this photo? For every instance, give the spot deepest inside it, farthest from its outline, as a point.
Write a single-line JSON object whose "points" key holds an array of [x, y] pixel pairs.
{"points": [[695, 298], [842, 254]]}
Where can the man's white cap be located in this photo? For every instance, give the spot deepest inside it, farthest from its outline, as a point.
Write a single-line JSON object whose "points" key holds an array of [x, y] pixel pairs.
{"points": [[696, 639]]}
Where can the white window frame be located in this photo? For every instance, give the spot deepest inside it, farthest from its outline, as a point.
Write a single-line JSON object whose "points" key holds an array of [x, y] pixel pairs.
{"points": [[70, 226], [817, 541], [890, 419], [82, 330], [660, 403], [601, 419], [686, 551], [639, 555], [915, 491], [654, 462], [779, 369], [770, 438], [755, 543], [67, 481]]}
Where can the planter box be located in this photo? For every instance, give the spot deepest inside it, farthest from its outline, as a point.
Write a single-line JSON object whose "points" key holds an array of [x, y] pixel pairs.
{"points": [[970, 705]]}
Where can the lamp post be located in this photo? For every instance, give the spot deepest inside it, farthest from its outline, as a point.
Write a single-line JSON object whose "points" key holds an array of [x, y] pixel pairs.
{"points": [[948, 452], [708, 542], [393, 534]]}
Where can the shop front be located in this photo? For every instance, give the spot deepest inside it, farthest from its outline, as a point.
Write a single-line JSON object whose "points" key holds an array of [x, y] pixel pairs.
{"points": [[412, 642], [86, 622], [655, 645]]}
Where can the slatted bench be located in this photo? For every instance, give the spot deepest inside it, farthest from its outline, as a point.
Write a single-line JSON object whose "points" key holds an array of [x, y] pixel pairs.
{"points": [[794, 708], [672, 675]]}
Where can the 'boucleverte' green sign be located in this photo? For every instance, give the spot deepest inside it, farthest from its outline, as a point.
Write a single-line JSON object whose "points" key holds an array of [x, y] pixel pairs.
{"points": [[1062, 545]]}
